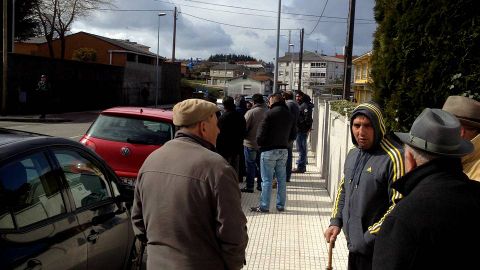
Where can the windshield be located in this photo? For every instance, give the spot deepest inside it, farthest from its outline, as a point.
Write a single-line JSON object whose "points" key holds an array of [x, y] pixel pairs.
{"points": [[131, 130]]}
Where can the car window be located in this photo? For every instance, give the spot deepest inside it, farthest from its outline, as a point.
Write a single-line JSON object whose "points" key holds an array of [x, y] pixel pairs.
{"points": [[29, 192], [131, 130], [86, 181]]}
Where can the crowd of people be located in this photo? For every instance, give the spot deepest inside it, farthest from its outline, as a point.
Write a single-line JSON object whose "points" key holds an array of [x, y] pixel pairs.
{"points": [[406, 201]]}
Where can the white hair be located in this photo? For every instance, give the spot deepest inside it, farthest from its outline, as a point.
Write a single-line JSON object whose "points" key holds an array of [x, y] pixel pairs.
{"points": [[420, 156]]}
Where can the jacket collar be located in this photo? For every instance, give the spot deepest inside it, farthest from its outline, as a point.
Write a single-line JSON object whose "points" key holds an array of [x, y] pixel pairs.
{"points": [[194, 138], [411, 179]]}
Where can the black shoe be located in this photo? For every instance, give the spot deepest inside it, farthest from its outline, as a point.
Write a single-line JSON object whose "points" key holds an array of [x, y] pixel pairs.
{"points": [[280, 209], [258, 209], [247, 190], [299, 171], [259, 188]]}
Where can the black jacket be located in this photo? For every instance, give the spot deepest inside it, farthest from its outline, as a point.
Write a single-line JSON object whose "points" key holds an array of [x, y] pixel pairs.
{"points": [[365, 194], [232, 127], [436, 225], [276, 129], [305, 120]]}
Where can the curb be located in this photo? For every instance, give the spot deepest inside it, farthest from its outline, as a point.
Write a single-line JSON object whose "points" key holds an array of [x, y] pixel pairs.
{"points": [[33, 119]]}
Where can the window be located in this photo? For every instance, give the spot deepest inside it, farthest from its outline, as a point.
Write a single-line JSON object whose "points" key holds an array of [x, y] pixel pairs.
{"points": [[85, 180], [247, 87], [131, 57], [283, 64], [318, 65], [132, 130], [280, 73], [29, 192], [364, 71], [317, 75]]}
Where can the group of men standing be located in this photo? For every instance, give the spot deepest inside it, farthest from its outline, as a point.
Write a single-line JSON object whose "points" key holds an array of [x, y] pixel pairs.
{"points": [[401, 207]]}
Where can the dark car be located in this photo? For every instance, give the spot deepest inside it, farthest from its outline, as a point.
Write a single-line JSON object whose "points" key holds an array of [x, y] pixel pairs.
{"points": [[60, 206], [125, 136]]}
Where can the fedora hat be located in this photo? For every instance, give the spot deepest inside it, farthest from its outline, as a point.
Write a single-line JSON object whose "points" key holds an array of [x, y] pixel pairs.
{"points": [[437, 131], [467, 110]]}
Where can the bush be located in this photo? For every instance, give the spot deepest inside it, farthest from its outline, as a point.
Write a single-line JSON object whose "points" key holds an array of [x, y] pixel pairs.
{"points": [[340, 106], [423, 52], [85, 55]]}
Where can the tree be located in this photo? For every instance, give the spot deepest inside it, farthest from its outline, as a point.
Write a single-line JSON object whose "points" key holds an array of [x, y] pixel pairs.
{"points": [[57, 16], [231, 58], [25, 21], [423, 51]]}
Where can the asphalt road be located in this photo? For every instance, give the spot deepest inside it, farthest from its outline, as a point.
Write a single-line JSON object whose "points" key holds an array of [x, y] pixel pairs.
{"points": [[75, 124]]}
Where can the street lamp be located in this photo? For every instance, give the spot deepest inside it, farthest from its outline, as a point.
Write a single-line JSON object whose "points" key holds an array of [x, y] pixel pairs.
{"points": [[158, 51], [291, 65]]}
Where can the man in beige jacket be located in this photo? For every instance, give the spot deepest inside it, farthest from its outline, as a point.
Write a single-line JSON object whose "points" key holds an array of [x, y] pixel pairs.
{"points": [[467, 111], [187, 204]]}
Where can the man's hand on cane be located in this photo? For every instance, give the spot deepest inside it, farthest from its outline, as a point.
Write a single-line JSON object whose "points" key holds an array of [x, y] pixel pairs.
{"points": [[331, 233]]}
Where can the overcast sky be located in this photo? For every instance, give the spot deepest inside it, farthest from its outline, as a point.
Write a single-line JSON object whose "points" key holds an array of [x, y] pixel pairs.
{"points": [[207, 27]]}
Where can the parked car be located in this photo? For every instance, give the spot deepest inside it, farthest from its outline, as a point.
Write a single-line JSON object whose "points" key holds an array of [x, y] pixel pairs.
{"points": [[125, 136], [60, 206]]}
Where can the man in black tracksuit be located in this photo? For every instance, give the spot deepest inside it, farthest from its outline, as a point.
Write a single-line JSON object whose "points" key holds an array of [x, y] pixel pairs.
{"points": [[365, 195]]}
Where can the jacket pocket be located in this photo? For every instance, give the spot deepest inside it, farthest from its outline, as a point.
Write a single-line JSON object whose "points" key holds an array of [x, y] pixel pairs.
{"points": [[356, 236]]}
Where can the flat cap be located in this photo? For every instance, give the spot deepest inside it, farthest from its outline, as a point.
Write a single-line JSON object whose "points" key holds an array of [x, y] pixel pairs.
{"points": [[192, 111]]}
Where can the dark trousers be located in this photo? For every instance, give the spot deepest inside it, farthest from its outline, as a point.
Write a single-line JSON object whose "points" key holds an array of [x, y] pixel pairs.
{"points": [[357, 261], [302, 150], [289, 161]]}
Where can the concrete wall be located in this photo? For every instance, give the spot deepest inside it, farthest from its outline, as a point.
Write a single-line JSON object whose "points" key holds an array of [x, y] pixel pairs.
{"points": [[330, 141]]}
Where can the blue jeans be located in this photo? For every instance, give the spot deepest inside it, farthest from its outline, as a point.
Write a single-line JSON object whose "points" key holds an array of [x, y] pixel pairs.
{"points": [[250, 165], [302, 150], [273, 162]]}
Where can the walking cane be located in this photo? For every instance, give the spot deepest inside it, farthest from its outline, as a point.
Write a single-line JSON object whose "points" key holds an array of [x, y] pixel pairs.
{"points": [[331, 245]]}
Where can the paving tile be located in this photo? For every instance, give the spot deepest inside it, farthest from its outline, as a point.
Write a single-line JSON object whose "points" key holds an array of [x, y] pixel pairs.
{"points": [[293, 239]]}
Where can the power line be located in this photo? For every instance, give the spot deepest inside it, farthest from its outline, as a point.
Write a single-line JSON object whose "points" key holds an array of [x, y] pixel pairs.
{"points": [[323, 10], [249, 14], [270, 11], [233, 25]]}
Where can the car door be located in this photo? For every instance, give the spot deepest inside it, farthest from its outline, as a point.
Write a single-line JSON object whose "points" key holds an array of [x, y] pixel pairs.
{"points": [[103, 219], [37, 228]]}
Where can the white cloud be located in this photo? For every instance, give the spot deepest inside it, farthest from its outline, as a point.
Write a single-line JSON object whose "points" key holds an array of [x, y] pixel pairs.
{"points": [[201, 38]]}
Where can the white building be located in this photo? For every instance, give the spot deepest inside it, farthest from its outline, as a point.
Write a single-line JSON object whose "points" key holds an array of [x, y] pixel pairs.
{"points": [[249, 85], [317, 70]]}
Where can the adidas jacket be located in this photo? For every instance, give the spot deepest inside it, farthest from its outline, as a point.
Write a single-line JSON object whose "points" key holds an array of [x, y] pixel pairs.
{"points": [[365, 195]]}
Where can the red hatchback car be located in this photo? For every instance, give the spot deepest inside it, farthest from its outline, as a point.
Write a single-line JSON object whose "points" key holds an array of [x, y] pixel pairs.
{"points": [[125, 136]]}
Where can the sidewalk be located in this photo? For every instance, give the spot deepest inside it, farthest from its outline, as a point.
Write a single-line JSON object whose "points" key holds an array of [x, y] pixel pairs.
{"points": [[293, 239]]}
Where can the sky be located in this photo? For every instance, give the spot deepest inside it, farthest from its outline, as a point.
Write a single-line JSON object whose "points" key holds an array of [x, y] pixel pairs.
{"points": [[208, 27]]}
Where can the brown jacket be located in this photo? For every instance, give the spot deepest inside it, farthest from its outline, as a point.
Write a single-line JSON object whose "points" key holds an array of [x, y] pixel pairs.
{"points": [[471, 162], [187, 206]]}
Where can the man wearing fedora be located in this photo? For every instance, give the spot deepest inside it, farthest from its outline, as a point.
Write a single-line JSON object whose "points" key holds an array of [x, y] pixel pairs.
{"points": [[467, 110], [187, 202], [436, 224]]}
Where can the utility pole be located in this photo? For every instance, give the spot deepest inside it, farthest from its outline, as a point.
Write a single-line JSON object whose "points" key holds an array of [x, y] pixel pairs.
{"points": [[174, 32], [5, 56], [348, 52], [289, 39], [300, 60], [13, 26], [275, 76]]}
